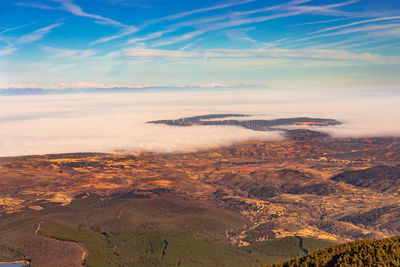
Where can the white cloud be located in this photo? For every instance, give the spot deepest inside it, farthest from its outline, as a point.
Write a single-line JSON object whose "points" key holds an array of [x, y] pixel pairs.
{"points": [[38, 34], [150, 36], [143, 53], [327, 9], [262, 53], [16, 28], [196, 11], [357, 23], [318, 22], [7, 51], [179, 38], [125, 32], [240, 18], [388, 30], [70, 54], [283, 6], [210, 85], [368, 28], [70, 6], [116, 122]]}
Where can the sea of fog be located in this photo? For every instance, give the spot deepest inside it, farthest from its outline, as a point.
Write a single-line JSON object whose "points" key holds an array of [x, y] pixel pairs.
{"points": [[116, 122]]}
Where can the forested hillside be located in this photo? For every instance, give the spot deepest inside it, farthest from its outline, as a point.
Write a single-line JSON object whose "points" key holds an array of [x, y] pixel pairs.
{"points": [[384, 252]]}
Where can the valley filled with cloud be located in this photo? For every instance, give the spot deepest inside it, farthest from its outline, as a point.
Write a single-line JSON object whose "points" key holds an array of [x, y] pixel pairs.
{"points": [[116, 123]]}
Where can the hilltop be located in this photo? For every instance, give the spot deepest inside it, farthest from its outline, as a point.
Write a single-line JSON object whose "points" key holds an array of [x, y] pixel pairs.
{"points": [[359, 253], [256, 125]]}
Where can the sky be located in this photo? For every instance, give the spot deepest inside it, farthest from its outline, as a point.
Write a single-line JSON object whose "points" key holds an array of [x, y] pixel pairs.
{"points": [[344, 44]]}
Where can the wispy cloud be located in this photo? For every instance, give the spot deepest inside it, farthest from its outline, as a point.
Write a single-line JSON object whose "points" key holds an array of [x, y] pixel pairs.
{"points": [[207, 20], [240, 34], [262, 53], [357, 23], [218, 26], [71, 7], [368, 28], [364, 32], [271, 8], [15, 28], [10, 49], [125, 32], [207, 24], [38, 34], [6, 40], [36, 5], [180, 38], [196, 11], [143, 53], [318, 22], [70, 54], [250, 35], [291, 8], [330, 10], [150, 36], [7, 51], [235, 15]]}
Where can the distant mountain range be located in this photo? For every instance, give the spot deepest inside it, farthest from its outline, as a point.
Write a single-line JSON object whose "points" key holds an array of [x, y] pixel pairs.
{"points": [[39, 91], [53, 91]]}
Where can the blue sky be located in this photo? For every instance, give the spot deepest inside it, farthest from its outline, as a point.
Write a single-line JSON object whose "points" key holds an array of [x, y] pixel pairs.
{"points": [[106, 43]]}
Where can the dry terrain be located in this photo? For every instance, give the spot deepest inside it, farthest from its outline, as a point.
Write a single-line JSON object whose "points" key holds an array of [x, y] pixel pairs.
{"points": [[282, 187]]}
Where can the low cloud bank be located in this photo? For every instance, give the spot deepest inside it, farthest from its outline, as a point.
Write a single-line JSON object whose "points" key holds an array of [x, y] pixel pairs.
{"points": [[117, 122]]}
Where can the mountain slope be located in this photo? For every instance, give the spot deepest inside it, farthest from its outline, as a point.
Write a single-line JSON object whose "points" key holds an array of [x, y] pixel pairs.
{"points": [[381, 178], [384, 252], [147, 246]]}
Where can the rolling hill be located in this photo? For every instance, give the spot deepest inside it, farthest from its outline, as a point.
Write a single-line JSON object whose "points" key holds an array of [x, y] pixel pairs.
{"points": [[381, 178]]}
